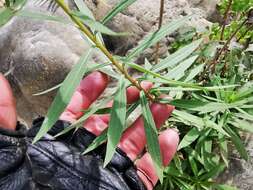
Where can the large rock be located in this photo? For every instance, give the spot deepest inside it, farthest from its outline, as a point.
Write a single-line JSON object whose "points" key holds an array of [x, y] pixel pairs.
{"points": [[142, 17], [40, 54]]}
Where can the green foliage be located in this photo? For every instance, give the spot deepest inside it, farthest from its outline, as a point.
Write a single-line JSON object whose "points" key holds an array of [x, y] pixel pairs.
{"points": [[10, 9], [118, 120], [152, 136], [237, 14], [64, 95], [212, 109]]}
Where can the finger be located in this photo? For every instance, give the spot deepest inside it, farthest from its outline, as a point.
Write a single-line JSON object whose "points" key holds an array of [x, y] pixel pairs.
{"points": [[133, 140], [168, 141], [8, 114], [90, 88], [96, 124], [133, 93]]}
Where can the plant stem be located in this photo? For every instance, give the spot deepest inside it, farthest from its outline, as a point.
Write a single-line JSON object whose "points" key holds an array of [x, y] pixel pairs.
{"points": [[244, 34], [100, 46], [159, 26], [224, 48], [225, 19]]}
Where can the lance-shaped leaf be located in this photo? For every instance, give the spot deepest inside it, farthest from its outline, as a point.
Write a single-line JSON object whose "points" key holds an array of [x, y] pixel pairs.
{"points": [[152, 136], [178, 56], [95, 25], [103, 137], [189, 138], [6, 13], [155, 37], [42, 16], [179, 71], [117, 120], [64, 95], [84, 9], [117, 9]]}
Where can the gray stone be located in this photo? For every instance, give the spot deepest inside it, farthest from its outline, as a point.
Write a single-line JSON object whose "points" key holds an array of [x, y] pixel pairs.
{"points": [[142, 17], [40, 53]]}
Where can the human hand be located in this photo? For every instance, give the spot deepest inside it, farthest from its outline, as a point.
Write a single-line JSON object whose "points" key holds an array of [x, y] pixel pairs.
{"points": [[133, 140]]}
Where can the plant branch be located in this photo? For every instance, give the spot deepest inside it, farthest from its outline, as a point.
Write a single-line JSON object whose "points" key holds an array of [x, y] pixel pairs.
{"points": [[224, 48], [159, 26], [100, 46], [244, 34], [225, 19]]}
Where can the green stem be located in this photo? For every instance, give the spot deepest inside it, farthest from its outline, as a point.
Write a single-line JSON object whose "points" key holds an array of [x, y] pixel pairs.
{"points": [[224, 48], [225, 19], [100, 46]]}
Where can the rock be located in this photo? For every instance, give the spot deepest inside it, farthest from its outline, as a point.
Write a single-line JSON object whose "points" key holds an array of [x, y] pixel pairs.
{"points": [[40, 53], [142, 17], [240, 172]]}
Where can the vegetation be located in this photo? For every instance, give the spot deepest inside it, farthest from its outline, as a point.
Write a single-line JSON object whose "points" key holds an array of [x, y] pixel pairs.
{"points": [[208, 75]]}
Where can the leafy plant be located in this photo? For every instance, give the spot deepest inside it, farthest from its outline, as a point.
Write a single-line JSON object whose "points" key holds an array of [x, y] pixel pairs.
{"points": [[212, 108]]}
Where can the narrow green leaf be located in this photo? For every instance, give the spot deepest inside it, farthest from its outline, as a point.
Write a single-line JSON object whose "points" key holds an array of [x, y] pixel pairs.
{"points": [[189, 138], [199, 122], [123, 4], [225, 187], [211, 107], [152, 136], [193, 165], [90, 69], [213, 173], [92, 110], [187, 104], [182, 185], [165, 80], [244, 115], [244, 91], [95, 25], [41, 16], [97, 141], [64, 95], [6, 13], [131, 108], [194, 154], [242, 124], [103, 137], [84, 9], [194, 72], [153, 38], [179, 71], [85, 116], [238, 143], [178, 56], [206, 88], [117, 120]]}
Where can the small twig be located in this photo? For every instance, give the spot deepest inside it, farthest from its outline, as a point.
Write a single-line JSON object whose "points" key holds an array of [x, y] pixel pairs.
{"points": [[225, 19], [224, 48], [244, 34], [100, 46], [159, 26]]}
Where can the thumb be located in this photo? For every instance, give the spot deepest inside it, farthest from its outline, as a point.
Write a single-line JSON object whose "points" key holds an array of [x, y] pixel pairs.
{"points": [[8, 114]]}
